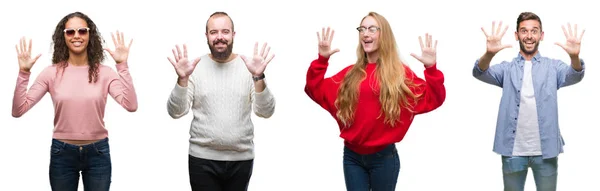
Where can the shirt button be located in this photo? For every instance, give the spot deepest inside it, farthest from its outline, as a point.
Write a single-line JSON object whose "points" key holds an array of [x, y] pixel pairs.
{"points": [[513, 131], [515, 118], [518, 105]]}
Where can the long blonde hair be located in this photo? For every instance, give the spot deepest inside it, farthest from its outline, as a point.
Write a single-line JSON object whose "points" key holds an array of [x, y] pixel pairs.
{"points": [[390, 74]]}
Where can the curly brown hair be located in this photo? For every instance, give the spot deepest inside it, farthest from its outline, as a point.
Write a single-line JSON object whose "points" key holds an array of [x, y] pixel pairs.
{"points": [[94, 48]]}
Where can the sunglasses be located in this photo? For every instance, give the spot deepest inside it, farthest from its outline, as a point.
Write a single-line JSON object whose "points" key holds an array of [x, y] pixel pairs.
{"points": [[80, 31]]}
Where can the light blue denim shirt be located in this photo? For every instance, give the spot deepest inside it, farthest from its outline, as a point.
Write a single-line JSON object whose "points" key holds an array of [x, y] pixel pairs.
{"points": [[548, 76]]}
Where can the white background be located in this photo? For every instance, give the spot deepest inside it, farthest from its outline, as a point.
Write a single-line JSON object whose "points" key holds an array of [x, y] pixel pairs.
{"points": [[299, 147]]}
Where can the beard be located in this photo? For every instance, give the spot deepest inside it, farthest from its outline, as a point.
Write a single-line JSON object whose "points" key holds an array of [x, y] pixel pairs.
{"points": [[522, 46], [220, 55]]}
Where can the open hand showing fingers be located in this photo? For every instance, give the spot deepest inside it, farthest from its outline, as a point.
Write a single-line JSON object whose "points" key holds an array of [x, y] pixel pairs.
{"points": [[182, 65], [494, 40], [325, 39], [428, 51], [24, 55]]}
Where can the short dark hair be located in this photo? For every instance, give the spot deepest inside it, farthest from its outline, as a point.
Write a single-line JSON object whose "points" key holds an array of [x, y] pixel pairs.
{"points": [[220, 13], [528, 16]]}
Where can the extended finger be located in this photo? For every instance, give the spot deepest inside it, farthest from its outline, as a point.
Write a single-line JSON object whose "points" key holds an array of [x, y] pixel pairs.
{"points": [[331, 37], [581, 36], [29, 49], [36, 58], [333, 51], [270, 58], [171, 61], [196, 61], [244, 59], [570, 30], [428, 37], [256, 48], [262, 50], [130, 42], [416, 56], [565, 31], [561, 45], [318, 38], [122, 38], [504, 31], [22, 45], [175, 55], [185, 55], [118, 37], [266, 52], [421, 42], [112, 35], [499, 28], [493, 27], [178, 53], [484, 32], [575, 32]]}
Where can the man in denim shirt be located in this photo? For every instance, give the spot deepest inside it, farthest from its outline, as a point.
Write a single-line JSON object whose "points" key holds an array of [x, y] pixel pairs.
{"points": [[527, 132]]}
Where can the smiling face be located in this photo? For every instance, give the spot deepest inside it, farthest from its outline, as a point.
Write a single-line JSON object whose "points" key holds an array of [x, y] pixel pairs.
{"points": [[219, 35], [369, 33], [529, 34], [76, 35]]}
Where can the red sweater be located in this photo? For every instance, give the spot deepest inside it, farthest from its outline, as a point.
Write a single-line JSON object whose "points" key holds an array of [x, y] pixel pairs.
{"points": [[369, 134]]}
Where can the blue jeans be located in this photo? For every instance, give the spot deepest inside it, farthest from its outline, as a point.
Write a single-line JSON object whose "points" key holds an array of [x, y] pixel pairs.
{"points": [[92, 160], [515, 172], [376, 172]]}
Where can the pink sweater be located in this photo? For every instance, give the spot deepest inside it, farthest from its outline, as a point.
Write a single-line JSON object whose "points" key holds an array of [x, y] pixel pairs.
{"points": [[78, 105]]}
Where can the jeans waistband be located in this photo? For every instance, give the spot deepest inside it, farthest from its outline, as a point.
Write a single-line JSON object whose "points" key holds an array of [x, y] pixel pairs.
{"points": [[391, 148], [99, 143]]}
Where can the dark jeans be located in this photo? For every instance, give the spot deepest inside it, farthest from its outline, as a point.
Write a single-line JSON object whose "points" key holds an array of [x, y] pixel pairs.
{"points": [[377, 172], [211, 175], [92, 160]]}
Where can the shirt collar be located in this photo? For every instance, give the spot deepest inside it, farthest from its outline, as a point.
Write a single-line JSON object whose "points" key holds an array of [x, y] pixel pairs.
{"points": [[536, 57]]}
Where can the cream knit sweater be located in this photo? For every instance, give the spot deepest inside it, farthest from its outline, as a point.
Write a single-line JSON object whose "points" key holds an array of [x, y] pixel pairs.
{"points": [[222, 98]]}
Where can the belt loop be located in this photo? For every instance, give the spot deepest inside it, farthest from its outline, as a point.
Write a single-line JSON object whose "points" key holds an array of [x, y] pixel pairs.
{"points": [[94, 144]]}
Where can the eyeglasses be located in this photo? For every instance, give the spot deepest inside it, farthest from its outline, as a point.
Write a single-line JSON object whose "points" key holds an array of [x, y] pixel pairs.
{"points": [[371, 29], [80, 31]]}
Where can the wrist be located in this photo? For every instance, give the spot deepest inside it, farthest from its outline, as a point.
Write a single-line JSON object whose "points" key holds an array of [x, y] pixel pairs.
{"points": [[574, 57], [183, 78], [490, 54], [182, 82], [258, 77]]}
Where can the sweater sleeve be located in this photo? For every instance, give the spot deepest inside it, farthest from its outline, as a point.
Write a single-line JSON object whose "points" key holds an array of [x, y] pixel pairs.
{"points": [[263, 103], [317, 86], [431, 90], [121, 89], [181, 99], [23, 100]]}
